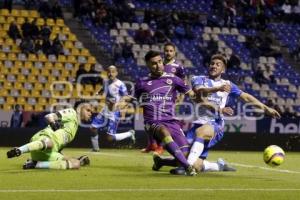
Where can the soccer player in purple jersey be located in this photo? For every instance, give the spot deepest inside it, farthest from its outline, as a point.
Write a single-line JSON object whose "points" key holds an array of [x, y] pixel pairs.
{"points": [[157, 95], [171, 66], [209, 126]]}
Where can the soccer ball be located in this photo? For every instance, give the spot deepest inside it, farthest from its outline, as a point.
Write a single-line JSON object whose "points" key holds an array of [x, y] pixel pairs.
{"points": [[273, 155]]}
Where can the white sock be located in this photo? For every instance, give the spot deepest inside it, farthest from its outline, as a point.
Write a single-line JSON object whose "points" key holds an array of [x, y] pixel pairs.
{"points": [[210, 166], [122, 136], [95, 142], [196, 151]]}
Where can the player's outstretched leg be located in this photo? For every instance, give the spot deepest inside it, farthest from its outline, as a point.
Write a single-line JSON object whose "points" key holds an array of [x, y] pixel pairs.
{"points": [[59, 164], [44, 143], [159, 162]]}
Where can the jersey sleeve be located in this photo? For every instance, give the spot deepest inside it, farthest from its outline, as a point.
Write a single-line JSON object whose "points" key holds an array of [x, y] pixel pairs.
{"points": [[123, 90], [138, 89], [180, 72], [180, 85], [67, 115], [197, 81], [235, 91], [98, 121]]}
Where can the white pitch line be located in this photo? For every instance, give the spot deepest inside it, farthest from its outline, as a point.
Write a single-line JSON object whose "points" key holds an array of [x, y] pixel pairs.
{"points": [[266, 168], [151, 190]]}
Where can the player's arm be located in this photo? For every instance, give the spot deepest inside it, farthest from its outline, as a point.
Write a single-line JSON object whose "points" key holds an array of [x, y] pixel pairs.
{"points": [[206, 90], [54, 121], [248, 98]]}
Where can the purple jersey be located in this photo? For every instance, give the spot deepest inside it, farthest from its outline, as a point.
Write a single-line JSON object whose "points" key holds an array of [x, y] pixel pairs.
{"points": [[158, 95], [176, 69]]}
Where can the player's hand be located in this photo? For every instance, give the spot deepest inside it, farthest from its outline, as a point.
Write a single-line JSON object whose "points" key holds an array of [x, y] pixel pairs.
{"points": [[272, 112], [227, 111], [225, 88]]}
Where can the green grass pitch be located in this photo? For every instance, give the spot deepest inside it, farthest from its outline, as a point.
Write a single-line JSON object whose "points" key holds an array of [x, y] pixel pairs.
{"points": [[126, 174]]}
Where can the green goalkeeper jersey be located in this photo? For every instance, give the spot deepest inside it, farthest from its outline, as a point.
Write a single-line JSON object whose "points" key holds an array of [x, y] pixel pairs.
{"points": [[69, 120]]}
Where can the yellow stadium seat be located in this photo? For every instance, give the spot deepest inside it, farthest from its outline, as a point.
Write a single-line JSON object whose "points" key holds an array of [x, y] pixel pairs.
{"points": [[15, 12], [58, 65], [33, 13], [4, 12], [91, 60], [14, 70], [3, 34], [48, 65], [72, 59], [28, 64], [35, 93], [28, 107], [2, 19], [55, 29], [18, 64], [32, 57], [2, 77], [5, 27], [24, 93], [3, 92], [32, 79], [20, 20], [52, 101], [65, 73], [66, 30], [60, 22], [40, 22], [72, 37], [15, 49], [10, 19], [45, 72], [88, 88], [25, 13], [50, 22], [75, 52], [12, 56], [7, 107], [42, 101], [10, 100], [69, 44], [38, 86], [85, 52], [4, 70], [3, 56], [39, 108], [52, 78], [35, 71], [9, 41], [21, 78], [7, 85], [18, 85], [21, 100], [61, 58], [42, 58]]}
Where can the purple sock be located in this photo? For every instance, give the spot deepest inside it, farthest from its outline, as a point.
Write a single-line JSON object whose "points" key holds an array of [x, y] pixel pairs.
{"points": [[169, 162], [174, 150]]}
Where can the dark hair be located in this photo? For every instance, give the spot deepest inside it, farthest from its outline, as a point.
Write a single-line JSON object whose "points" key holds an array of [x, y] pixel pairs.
{"points": [[150, 54], [220, 57], [78, 103], [170, 44]]}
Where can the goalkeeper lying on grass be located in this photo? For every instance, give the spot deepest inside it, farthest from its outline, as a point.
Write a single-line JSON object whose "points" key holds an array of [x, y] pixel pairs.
{"points": [[46, 145]]}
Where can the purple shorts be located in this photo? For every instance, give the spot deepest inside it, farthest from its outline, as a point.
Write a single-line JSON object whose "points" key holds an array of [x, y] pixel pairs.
{"points": [[175, 130]]}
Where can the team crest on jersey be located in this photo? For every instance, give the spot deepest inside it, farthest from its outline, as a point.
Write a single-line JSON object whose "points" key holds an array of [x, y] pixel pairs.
{"points": [[173, 70], [169, 81], [149, 83]]}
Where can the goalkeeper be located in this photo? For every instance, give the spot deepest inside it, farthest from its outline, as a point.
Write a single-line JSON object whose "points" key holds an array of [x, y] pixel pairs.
{"points": [[46, 145]]}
